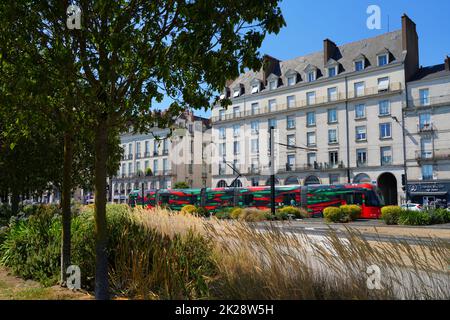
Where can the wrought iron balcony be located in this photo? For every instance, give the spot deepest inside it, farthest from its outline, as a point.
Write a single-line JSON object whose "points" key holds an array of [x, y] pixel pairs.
{"points": [[433, 155]]}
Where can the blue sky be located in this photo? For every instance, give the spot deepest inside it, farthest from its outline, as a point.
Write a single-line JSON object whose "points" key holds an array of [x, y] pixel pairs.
{"points": [[343, 21]]}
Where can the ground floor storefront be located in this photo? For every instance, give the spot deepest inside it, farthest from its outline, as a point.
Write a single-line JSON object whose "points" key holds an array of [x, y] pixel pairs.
{"points": [[435, 194]]}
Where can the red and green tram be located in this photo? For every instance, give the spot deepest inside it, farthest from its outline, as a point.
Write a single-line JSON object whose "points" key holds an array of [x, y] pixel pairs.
{"points": [[313, 198]]}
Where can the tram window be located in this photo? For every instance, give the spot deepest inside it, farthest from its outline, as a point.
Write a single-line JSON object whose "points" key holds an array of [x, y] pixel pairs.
{"points": [[287, 198], [193, 199], [358, 199], [165, 199], [348, 197], [248, 199]]}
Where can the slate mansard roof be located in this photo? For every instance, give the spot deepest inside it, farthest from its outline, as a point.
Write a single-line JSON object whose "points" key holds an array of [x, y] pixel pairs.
{"points": [[344, 55]]}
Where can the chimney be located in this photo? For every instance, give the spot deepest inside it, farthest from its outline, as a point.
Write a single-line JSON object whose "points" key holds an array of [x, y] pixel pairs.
{"points": [[329, 49], [447, 63], [270, 65], [410, 44]]}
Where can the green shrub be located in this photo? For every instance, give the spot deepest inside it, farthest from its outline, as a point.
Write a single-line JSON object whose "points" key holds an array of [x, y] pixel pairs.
{"points": [[391, 214], [281, 215], [298, 213], [202, 212], [333, 214], [352, 211], [439, 216], [235, 213], [223, 215], [254, 215], [414, 218]]}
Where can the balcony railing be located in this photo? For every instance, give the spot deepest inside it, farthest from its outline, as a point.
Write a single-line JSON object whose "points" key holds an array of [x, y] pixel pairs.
{"points": [[425, 127], [429, 101], [138, 155], [437, 154], [340, 97]]}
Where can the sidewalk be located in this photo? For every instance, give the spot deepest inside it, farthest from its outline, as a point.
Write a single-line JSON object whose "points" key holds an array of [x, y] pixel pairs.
{"points": [[14, 288], [374, 227]]}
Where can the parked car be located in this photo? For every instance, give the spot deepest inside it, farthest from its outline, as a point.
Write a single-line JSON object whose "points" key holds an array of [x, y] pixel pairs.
{"points": [[412, 206]]}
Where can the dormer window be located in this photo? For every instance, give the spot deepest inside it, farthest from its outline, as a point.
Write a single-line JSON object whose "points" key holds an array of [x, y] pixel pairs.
{"points": [[312, 76], [311, 73], [291, 77], [332, 72], [383, 57], [256, 86], [382, 60], [359, 65], [225, 94], [238, 90], [236, 93], [272, 81]]}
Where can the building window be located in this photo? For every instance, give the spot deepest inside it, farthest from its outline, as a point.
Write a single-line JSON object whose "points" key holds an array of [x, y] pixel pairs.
{"points": [[222, 149], [291, 141], [130, 169], [386, 155], [124, 168], [255, 127], [361, 157], [221, 133], [334, 179], [222, 114], [222, 171], [311, 76], [291, 101], [290, 165], [311, 159], [332, 136], [332, 94], [427, 147], [333, 158], [311, 138], [147, 148], [361, 134], [291, 80], [383, 60], [424, 96], [236, 112], [236, 148], [272, 123], [385, 130], [166, 166], [290, 122], [360, 111], [310, 98], [272, 105], [273, 84], [236, 130], [359, 65], [424, 121], [255, 145], [332, 116], [311, 118], [427, 172], [236, 93], [255, 88], [332, 72], [155, 166], [359, 89], [383, 84], [255, 108], [384, 108]]}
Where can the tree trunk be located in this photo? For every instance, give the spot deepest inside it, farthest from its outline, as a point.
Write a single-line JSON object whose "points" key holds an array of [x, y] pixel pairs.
{"points": [[101, 236], [65, 204], [15, 199]]}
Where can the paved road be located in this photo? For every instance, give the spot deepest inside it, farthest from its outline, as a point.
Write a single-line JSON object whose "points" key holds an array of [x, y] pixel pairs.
{"points": [[319, 228]]}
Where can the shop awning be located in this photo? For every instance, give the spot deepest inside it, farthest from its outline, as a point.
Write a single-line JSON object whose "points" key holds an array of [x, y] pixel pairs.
{"points": [[437, 193]]}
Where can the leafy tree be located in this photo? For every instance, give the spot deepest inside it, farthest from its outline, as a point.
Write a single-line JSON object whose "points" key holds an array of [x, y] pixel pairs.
{"points": [[181, 185], [129, 54]]}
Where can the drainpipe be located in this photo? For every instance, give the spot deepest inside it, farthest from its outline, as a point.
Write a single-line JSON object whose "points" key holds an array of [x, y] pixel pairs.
{"points": [[347, 129], [404, 142]]}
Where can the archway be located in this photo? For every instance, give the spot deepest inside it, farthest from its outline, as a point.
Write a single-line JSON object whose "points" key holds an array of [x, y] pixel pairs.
{"points": [[388, 187], [311, 180], [277, 182], [236, 184], [222, 184], [291, 181], [362, 178]]}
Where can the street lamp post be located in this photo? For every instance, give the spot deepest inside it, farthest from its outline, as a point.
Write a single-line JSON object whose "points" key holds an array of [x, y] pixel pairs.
{"points": [[272, 170]]}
